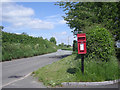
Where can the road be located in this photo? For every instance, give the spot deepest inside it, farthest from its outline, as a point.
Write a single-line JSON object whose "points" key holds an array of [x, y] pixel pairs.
{"points": [[13, 72], [16, 73]]}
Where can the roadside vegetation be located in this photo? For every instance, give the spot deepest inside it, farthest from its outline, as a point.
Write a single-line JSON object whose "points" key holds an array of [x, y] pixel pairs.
{"points": [[1, 42], [63, 46], [100, 63], [20, 46], [100, 22], [53, 40], [68, 70]]}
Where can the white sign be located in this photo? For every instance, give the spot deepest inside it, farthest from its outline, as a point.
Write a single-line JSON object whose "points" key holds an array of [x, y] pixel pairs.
{"points": [[81, 46]]}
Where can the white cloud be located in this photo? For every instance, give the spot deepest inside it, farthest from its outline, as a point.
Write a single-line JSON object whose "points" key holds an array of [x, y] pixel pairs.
{"points": [[64, 37], [53, 16], [56, 19], [18, 33], [6, 0], [62, 22], [60, 34], [0, 13], [14, 10], [20, 16], [64, 33], [37, 23]]}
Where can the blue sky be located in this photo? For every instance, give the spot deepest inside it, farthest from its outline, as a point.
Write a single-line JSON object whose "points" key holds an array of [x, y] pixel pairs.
{"points": [[36, 19]]}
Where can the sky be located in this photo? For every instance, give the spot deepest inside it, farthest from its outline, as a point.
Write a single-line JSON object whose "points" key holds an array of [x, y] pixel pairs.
{"points": [[37, 19]]}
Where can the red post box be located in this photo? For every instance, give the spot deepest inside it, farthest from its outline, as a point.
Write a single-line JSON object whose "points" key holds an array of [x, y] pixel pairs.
{"points": [[81, 40]]}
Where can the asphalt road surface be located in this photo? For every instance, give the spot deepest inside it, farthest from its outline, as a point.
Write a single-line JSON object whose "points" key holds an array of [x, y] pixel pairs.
{"points": [[16, 73]]}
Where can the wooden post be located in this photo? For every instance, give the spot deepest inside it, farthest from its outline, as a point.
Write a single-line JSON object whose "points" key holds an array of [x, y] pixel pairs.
{"points": [[82, 63]]}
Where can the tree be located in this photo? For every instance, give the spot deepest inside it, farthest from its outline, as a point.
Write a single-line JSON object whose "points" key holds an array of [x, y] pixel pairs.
{"points": [[62, 44], [24, 33], [46, 39], [59, 44], [75, 46], [53, 40], [1, 27], [81, 15]]}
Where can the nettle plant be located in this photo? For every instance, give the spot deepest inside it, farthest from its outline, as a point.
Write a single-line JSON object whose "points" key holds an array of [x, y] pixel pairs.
{"points": [[100, 44]]}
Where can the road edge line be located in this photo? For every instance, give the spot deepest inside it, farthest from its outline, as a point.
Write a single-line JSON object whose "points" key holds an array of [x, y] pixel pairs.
{"points": [[16, 80]]}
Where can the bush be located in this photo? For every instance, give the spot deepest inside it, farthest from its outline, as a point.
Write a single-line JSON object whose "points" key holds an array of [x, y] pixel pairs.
{"points": [[100, 44], [117, 53], [19, 46], [17, 50]]}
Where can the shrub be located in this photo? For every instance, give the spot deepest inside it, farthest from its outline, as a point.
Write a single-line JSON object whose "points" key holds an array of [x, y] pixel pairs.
{"points": [[18, 46], [74, 45], [100, 44], [118, 53]]}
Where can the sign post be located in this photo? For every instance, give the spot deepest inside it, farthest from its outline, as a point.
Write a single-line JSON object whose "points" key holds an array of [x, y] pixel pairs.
{"points": [[82, 63], [81, 40]]}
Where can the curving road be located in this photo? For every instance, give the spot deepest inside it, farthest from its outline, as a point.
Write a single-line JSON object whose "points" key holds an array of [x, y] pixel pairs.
{"points": [[14, 71]]}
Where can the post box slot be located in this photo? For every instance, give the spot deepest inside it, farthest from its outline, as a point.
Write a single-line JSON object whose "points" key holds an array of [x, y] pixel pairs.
{"points": [[81, 38]]}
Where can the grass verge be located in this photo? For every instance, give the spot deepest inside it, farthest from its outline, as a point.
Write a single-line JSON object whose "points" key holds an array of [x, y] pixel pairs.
{"points": [[68, 70], [67, 49]]}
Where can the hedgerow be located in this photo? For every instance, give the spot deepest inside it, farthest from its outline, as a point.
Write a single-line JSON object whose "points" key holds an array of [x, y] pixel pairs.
{"points": [[19, 46]]}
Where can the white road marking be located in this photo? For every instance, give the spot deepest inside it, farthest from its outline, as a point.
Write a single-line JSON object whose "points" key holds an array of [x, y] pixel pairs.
{"points": [[15, 80]]}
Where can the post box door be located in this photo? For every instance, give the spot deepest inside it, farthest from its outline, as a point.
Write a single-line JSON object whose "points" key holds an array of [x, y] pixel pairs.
{"points": [[81, 38]]}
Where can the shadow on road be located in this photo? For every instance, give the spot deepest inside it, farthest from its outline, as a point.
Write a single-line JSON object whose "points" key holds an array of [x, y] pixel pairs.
{"points": [[15, 76], [60, 57]]}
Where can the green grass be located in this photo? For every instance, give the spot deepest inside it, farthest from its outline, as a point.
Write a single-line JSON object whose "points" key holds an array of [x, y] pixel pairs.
{"points": [[68, 70], [55, 73], [65, 48]]}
